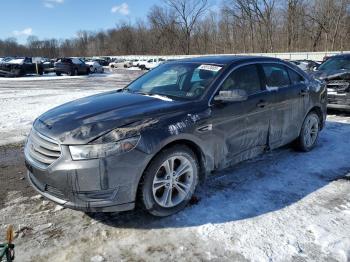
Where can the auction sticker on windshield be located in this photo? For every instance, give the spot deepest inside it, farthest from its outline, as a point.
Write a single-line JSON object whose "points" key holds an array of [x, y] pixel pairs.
{"points": [[210, 68]]}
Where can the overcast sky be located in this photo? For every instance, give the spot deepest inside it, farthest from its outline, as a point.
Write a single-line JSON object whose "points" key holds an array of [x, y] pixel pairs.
{"points": [[63, 18]]}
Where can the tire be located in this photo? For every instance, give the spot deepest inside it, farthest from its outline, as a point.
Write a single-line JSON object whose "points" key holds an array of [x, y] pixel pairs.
{"points": [[165, 192], [58, 74], [309, 133], [112, 66]]}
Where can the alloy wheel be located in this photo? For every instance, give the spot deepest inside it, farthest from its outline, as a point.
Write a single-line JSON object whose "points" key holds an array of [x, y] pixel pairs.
{"points": [[173, 181], [311, 131]]}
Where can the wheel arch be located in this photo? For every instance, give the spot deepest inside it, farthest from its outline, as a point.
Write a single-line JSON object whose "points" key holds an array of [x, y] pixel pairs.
{"points": [[191, 145], [318, 111]]}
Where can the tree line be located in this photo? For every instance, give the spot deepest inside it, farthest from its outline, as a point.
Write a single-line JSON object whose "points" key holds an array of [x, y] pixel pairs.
{"points": [[195, 27]]}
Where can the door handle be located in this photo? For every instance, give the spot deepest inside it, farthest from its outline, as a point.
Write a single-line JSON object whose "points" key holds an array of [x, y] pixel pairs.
{"points": [[262, 104]]}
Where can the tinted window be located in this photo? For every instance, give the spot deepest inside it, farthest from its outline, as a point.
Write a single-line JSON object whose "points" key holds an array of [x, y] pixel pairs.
{"points": [[295, 78], [246, 77], [76, 61], [276, 76], [336, 63]]}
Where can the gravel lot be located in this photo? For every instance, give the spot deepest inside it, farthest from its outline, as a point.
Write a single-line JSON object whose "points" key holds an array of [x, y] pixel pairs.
{"points": [[282, 206]]}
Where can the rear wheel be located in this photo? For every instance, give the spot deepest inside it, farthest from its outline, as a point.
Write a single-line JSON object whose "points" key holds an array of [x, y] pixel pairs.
{"points": [[309, 132], [58, 74], [170, 181]]}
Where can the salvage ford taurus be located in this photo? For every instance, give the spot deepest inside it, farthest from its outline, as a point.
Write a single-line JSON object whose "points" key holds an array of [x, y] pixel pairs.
{"points": [[155, 140]]}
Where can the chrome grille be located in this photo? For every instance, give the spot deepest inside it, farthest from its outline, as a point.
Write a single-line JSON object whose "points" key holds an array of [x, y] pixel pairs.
{"points": [[42, 150], [338, 85]]}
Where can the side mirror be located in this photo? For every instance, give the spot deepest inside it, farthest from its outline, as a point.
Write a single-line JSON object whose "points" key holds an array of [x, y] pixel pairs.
{"points": [[236, 95]]}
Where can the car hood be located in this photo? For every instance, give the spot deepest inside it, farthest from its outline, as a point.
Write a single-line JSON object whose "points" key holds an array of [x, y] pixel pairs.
{"points": [[342, 74], [85, 119]]}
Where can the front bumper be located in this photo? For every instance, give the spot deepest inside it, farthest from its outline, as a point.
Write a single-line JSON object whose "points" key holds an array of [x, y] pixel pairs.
{"points": [[97, 185], [86, 206], [339, 101]]}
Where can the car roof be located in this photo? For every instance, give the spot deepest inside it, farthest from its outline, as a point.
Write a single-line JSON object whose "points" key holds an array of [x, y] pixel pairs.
{"points": [[340, 56], [226, 59]]}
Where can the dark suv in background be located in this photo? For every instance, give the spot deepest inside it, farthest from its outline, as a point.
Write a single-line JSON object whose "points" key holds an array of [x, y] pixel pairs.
{"points": [[154, 140], [335, 71], [20, 66], [71, 67]]}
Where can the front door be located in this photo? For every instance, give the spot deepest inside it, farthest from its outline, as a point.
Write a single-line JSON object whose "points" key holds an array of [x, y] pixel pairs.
{"points": [[241, 128]]}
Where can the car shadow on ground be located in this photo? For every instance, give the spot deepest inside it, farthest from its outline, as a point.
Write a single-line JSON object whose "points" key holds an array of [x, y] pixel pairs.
{"points": [[266, 184]]}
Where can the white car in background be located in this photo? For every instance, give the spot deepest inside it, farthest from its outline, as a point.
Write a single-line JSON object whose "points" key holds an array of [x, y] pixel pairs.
{"points": [[151, 63], [95, 67], [117, 64], [137, 62]]}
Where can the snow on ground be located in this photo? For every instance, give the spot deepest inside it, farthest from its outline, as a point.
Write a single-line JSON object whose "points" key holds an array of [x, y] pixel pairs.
{"points": [[282, 206], [23, 99]]}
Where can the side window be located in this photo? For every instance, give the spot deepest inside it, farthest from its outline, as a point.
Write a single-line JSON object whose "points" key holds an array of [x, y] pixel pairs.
{"points": [[246, 78], [76, 61], [295, 78], [276, 76]]}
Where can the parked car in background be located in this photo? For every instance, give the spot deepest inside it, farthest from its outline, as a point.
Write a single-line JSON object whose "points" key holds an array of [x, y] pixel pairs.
{"points": [[20, 66], [135, 62], [102, 62], [153, 141], [139, 62], [305, 65], [335, 71], [95, 67], [6, 59], [127, 64], [48, 65], [151, 63], [107, 59], [118, 63], [71, 67]]}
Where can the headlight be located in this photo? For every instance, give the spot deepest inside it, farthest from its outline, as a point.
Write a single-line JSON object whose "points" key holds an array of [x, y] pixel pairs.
{"points": [[81, 152]]}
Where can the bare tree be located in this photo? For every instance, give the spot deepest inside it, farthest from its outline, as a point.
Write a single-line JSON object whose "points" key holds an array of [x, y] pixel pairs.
{"points": [[188, 14], [191, 27]]}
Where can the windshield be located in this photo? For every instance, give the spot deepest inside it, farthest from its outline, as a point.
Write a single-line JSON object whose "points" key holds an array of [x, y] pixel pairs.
{"points": [[336, 63], [178, 80]]}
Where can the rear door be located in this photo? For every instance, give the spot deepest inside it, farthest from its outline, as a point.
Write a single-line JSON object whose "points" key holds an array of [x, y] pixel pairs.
{"points": [[288, 104], [241, 128]]}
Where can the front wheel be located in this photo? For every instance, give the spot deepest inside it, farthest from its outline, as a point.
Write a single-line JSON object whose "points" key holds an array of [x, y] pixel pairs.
{"points": [[170, 181], [309, 133]]}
